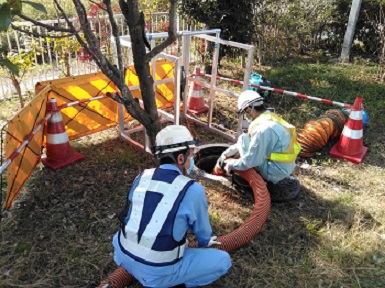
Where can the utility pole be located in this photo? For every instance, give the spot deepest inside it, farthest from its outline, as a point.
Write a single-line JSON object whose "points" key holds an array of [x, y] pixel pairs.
{"points": [[348, 39]]}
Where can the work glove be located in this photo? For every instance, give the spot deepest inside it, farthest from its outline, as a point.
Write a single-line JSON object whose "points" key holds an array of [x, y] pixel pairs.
{"points": [[221, 161], [227, 167], [213, 241]]}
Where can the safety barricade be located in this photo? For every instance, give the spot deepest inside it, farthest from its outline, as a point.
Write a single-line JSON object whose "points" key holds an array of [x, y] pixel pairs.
{"points": [[84, 108]]}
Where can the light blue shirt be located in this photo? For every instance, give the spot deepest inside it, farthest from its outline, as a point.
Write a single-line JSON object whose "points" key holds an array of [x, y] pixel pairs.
{"points": [[192, 213], [267, 138], [199, 266]]}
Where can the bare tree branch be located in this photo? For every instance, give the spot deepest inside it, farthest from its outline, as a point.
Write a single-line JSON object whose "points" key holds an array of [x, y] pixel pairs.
{"points": [[57, 11], [46, 26], [71, 30], [87, 38], [92, 42], [116, 97], [96, 3], [36, 34], [136, 24], [107, 68], [124, 8], [171, 32], [115, 33], [78, 38]]}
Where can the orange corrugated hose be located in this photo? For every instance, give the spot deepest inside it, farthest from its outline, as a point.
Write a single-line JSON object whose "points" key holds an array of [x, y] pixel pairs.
{"points": [[316, 133], [120, 278]]}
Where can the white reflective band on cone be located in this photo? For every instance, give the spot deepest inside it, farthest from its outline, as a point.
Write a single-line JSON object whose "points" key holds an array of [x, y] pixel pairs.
{"points": [[352, 134], [56, 118], [196, 94], [59, 138], [356, 115]]}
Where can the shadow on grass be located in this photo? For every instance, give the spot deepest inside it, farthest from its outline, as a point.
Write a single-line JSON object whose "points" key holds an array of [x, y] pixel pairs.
{"points": [[287, 252]]}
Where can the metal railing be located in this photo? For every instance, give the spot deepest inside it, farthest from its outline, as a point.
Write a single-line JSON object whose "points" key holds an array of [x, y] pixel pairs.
{"points": [[49, 64], [188, 56]]}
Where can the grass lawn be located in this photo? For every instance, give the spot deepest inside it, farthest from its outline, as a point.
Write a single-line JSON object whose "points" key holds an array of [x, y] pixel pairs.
{"points": [[58, 233]]}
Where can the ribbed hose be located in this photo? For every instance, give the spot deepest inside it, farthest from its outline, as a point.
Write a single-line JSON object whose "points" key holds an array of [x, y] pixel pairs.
{"points": [[316, 133], [120, 278], [247, 231]]}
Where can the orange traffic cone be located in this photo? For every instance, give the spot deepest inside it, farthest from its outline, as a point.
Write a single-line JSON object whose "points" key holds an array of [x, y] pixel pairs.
{"points": [[58, 151], [196, 101], [350, 146]]}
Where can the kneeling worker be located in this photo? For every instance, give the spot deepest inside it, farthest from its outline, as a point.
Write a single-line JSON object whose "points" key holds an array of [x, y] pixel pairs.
{"points": [[269, 146], [165, 204]]}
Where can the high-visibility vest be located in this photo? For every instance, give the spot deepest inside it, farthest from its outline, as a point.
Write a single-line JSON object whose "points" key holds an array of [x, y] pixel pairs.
{"points": [[292, 150], [147, 236]]}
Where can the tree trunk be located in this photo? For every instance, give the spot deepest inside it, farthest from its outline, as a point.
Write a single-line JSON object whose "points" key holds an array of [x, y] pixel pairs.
{"points": [[349, 34], [141, 64], [152, 131]]}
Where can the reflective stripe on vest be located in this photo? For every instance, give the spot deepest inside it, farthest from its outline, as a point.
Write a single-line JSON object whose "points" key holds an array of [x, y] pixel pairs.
{"points": [[141, 247], [292, 150]]}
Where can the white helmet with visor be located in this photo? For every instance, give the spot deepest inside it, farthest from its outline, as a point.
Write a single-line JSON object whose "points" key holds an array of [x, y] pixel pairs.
{"points": [[249, 98], [173, 138]]}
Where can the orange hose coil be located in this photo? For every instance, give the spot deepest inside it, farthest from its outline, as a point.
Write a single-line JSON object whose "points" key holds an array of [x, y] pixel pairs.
{"points": [[120, 278], [316, 133]]}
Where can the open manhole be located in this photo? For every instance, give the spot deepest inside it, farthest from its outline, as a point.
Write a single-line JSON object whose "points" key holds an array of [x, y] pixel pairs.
{"points": [[283, 191], [206, 158]]}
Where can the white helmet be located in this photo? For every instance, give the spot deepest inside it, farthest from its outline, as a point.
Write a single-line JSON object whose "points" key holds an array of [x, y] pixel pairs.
{"points": [[249, 98], [173, 138]]}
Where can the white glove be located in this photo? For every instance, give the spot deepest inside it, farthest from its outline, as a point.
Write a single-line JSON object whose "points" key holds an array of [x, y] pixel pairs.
{"points": [[221, 161], [227, 167], [213, 241]]}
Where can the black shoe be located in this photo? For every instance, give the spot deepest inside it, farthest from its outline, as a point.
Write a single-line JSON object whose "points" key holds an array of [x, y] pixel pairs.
{"points": [[285, 190]]}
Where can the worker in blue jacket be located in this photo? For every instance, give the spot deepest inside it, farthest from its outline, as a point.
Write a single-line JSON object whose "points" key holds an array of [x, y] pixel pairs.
{"points": [[269, 146], [164, 205]]}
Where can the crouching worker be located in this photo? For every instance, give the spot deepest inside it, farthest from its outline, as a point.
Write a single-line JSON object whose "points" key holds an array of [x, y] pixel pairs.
{"points": [[164, 205], [269, 146]]}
